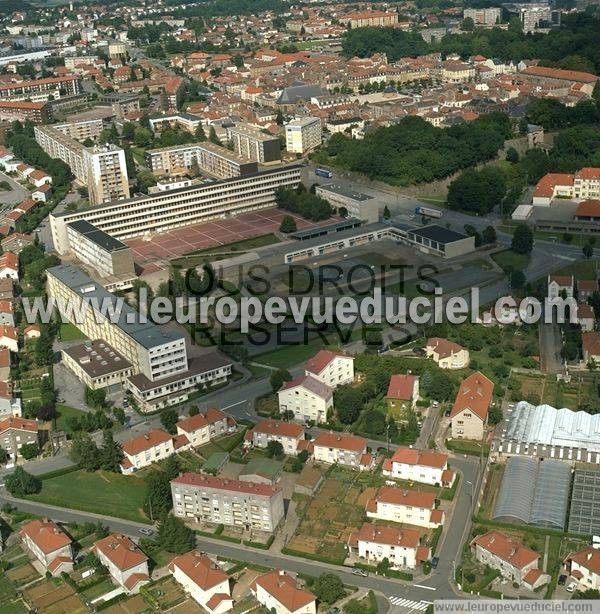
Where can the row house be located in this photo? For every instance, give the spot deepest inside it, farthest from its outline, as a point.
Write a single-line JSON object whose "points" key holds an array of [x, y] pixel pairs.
{"points": [[309, 398], [126, 563], [424, 466], [203, 427], [510, 557], [407, 506], [289, 434], [203, 579], [49, 544], [401, 547], [343, 449]]}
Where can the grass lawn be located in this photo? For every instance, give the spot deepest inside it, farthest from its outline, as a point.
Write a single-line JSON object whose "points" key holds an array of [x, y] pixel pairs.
{"points": [[70, 332], [64, 412], [582, 269], [258, 372], [509, 259], [98, 589], [100, 492], [290, 355], [472, 448]]}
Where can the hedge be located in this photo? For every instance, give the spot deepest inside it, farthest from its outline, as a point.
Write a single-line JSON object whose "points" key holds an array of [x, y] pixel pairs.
{"points": [[106, 604], [435, 538], [390, 573], [58, 472], [309, 555], [448, 494], [218, 535], [260, 545]]}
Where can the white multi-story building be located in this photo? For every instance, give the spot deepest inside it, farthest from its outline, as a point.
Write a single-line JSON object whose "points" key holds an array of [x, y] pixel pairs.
{"points": [[404, 505], [126, 563], [331, 368], [209, 499], [289, 434], [165, 211], [51, 546], [559, 285], [343, 449], [151, 447], [484, 16], [309, 399], [203, 427], [401, 547], [423, 466], [584, 566], [303, 135], [280, 593], [203, 580]]}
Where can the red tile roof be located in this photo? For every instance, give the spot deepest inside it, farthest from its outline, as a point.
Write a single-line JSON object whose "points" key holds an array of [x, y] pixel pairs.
{"points": [[10, 261], [21, 424], [587, 285], [311, 384], [135, 579], [556, 73], [279, 427], [285, 590], [425, 458], [475, 393], [146, 441], [46, 535], [216, 599], [591, 343], [121, 551], [545, 186], [193, 423], [506, 548], [322, 358], [401, 387], [588, 172], [209, 481], [589, 558], [57, 562], [380, 534], [443, 347], [566, 281], [588, 208], [341, 441], [199, 569]]}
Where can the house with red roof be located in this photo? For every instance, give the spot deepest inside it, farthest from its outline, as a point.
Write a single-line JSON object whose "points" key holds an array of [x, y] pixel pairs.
{"points": [[425, 466], [585, 289], [559, 285], [49, 544], [401, 547], [203, 427], [469, 413], [331, 368], [9, 404], [406, 506], [584, 567], [588, 211], [402, 394], [279, 592], [150, 447], [203, 580], [309, 398], [515, 561], [9, 266], [289, 434], [126, 563], [586, 317], [343, 449], [16, 431], [590, 342], [447, 354]]}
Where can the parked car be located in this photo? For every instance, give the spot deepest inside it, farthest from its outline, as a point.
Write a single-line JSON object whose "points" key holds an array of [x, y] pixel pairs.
{"points": [[145, 531], [562, 579], [434, 561], [571, 588], [419, 351], [360, 572]]}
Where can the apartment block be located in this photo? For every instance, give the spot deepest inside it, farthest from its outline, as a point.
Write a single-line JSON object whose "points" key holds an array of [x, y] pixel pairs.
{"points": [[165, 211], [212, 159], [253, 144], [82, 129], [407, 506], [205, 498], [162, 374], [111, 258], [69, 84], [344, 449], [422, 466], [484, 16], [303, 135], [289, 434], [151, 447], [309, 398], [49, 544], [401, 547], [126, 563], [203, 427], [332, 368], [24, 110], [185, 121], [370, 18]]}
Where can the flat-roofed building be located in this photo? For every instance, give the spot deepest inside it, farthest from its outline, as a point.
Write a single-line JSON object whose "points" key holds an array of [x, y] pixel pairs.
{"points": [[209, 499], [212, 159], [484, 16], [97, 364], [369, 19], [303, 135], [406, 506], [81, 130], [356, 204], [186, 121], [111, 258], [441, 241], [254, 144], [166, 211]]}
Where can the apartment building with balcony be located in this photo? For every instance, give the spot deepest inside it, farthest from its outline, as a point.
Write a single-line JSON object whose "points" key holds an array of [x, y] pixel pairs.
{"points": [[69, 85], [406, 506], [172, 209], [303, 135], [215, 500], [369, 19], [254, 144]]}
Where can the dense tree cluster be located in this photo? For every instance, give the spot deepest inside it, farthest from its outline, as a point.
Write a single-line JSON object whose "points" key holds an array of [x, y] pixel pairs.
{"points": [[20, 483], [477, 191], [413, 151], [364, 42], [303, 203]]}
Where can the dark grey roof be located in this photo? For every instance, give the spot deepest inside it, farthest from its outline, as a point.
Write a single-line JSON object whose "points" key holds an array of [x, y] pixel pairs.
{"points": [[97, 236], [345, 191], [438, 233], [129, 321], [320, 231], [296, 93]]}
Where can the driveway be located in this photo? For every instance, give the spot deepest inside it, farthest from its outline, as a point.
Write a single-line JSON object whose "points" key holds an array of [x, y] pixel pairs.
{"points": [[16, 195]]}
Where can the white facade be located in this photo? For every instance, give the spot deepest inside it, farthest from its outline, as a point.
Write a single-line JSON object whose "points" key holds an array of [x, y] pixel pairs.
{"points": [[303, 135], [330, 368], [405, 506], [308, 398]]}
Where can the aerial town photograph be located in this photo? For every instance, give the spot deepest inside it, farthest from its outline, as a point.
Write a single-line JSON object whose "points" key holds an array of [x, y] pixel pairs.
{"points": [[299, 306]]}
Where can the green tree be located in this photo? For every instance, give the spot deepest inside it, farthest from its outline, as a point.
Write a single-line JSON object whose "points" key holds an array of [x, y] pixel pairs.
{"points": [[512, 155], [95, 398], [386, 213], [200, 134], [169, 418], [128, 131], [119, 414], [111, 453], [278, 378], [193, 411], [84, 452], [4, 456], [173, 536], [274, 449], [495, 415], [468, 24], [588, 251], [489, 235], [517, 279], [20, 483], [158, 500], [328, 588], [29, 450], [522, 241], [348, 403], [288, 224], [213, 138]]}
